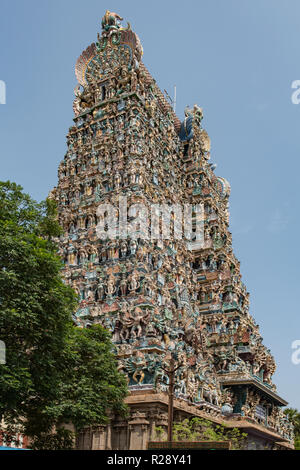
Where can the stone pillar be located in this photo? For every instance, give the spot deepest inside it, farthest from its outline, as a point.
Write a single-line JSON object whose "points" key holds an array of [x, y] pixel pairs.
{"points": [[139, 431], [162, 422], [152, 418], [99, 438], [108, 437], [120, 439], [87, 439]]}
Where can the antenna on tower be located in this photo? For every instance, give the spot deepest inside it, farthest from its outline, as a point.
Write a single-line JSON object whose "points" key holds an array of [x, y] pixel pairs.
{"points": [[168, 97], [172, 102], [175, 99]]}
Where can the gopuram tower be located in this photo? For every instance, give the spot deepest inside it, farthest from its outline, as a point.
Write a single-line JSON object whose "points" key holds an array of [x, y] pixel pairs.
{"points": [[130, 167]]}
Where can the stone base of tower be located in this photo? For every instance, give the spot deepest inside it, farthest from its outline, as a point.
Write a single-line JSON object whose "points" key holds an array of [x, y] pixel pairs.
{"points": [[149, 411]]}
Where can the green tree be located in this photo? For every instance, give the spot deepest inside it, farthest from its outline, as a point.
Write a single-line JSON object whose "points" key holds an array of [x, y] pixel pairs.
{"points": [[55, 373], [294, 416], [199, 429]]}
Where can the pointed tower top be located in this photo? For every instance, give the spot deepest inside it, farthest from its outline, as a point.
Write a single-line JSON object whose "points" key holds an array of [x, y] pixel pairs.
{"points": [[115, 46]]}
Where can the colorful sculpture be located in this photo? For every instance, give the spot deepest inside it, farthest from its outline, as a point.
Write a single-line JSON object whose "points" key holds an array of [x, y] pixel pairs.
{"points": [[158, 296], [111, 20]]}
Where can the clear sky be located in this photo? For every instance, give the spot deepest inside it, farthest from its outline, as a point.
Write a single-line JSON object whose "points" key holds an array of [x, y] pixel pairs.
{"points": [[237, 59]]}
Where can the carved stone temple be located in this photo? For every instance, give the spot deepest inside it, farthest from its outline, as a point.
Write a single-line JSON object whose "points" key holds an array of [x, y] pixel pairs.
{"points": [[159, 296]]}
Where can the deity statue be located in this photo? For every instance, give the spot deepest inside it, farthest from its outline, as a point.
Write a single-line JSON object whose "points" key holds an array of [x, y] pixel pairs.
{"points": [[123, 285], [111, 288], [133, 283]]}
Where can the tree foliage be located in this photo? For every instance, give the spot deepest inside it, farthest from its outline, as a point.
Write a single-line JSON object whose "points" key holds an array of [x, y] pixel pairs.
{"points": [[55, 373], [294, 416], [199, 429]]}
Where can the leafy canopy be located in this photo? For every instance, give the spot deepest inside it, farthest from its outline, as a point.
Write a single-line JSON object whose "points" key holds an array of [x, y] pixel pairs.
{"points": [[294, 416], [55, 373], [200, 429]]}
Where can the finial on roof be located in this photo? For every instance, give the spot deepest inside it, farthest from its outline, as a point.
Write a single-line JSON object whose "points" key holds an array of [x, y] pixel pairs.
{"points": [[111, 20]]}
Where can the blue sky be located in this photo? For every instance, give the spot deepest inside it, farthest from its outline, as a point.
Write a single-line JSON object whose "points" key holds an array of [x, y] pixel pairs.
{"points": [[237, 59]]}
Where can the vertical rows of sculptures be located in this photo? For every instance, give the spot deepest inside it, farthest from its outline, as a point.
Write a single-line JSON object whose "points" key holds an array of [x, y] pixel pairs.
{"points": [[231, 336], [157, 296]]}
